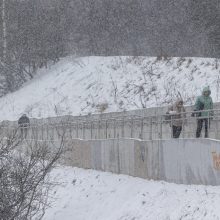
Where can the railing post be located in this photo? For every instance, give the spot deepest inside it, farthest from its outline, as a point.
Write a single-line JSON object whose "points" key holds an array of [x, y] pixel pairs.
{"points": [[47, 132], [161, 127], [132, 127], [42, 131], [216, 129], [151, 129], [123, 127], [142, 128], [99, 127], [53, 132], [70, 130], [91, 129], [184, 124], [77, 129], [171, 125], [115, 128], [83, 124], [106, 129], [36, 131]]}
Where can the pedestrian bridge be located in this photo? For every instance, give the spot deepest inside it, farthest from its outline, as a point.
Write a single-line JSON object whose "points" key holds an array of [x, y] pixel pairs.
{"points": [[138, 143], [145, 124]]}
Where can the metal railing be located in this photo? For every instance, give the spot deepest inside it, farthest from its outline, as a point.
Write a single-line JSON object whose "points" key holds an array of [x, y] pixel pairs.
{"points": [[130, 126]]}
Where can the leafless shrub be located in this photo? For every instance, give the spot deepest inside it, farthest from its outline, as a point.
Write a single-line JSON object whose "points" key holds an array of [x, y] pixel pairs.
{"points": [[114, 90], [24, 182], [216, 63], [173, 91], [144, 89], [188, 63], [117, 64], [162, 56], [180, 61], [207, 63]]}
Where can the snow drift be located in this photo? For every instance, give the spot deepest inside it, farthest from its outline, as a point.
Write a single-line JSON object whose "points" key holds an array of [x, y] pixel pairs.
{"points": [[92, 195]]}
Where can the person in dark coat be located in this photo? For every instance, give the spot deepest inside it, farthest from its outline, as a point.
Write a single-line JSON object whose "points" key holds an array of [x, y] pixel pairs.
{"points": [[24, 123], [204, 103]]}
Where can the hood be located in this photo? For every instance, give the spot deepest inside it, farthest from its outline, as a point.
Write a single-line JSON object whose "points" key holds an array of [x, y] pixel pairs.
{"points": [[206, 89], [178, 101]]}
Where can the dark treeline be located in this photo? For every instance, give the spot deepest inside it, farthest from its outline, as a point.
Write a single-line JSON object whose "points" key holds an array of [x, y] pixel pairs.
{"points": [[39, 31]]}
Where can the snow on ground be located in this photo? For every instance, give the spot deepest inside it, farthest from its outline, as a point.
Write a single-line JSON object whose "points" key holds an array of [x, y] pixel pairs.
{"points": [[102, 84], [92, 195]]}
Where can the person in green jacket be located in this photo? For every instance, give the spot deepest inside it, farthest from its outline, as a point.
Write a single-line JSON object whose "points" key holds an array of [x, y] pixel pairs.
{"points": [[203, 104]]}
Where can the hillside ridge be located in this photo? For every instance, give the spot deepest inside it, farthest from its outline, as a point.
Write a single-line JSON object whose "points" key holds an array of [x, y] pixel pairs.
{"points": [[87, 85]]}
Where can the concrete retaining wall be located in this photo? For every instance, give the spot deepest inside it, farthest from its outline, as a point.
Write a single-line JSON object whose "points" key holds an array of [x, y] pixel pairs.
{"points": [[185, 161]]}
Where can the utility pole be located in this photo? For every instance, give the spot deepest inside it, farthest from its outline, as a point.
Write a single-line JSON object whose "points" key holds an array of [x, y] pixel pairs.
{"points": [[4, 30]]}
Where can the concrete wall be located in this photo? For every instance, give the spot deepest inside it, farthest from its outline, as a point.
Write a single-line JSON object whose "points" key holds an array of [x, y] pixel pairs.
{"points": [[185, 161]]}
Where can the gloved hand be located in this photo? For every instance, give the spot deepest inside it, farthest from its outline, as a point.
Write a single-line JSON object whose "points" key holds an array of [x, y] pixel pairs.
{"points": [[211, 115]]}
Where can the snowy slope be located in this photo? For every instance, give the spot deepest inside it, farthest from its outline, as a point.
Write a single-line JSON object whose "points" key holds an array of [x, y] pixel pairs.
{"points": [[92, 195], [102, 84]]}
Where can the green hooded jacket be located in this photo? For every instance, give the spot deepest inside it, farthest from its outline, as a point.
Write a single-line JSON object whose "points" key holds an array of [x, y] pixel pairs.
{"points": [[204, 103]]}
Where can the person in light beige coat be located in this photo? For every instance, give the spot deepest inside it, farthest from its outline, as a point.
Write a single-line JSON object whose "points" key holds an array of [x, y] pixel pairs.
{"points": [[177, 117]]}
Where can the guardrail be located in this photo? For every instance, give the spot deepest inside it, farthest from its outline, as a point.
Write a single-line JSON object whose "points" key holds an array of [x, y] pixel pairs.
{"points": [[130, 126]]}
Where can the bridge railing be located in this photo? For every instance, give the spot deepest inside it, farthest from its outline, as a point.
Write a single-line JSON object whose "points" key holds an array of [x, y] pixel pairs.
{"points": [[131, 126]]}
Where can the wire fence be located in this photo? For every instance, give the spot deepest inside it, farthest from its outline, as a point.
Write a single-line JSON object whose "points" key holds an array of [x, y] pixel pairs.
{"points": [[130, 126]]}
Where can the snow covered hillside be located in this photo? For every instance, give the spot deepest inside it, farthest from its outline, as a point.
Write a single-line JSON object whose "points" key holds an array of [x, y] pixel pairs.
{"points": [[102, 84], [92, 195]]}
